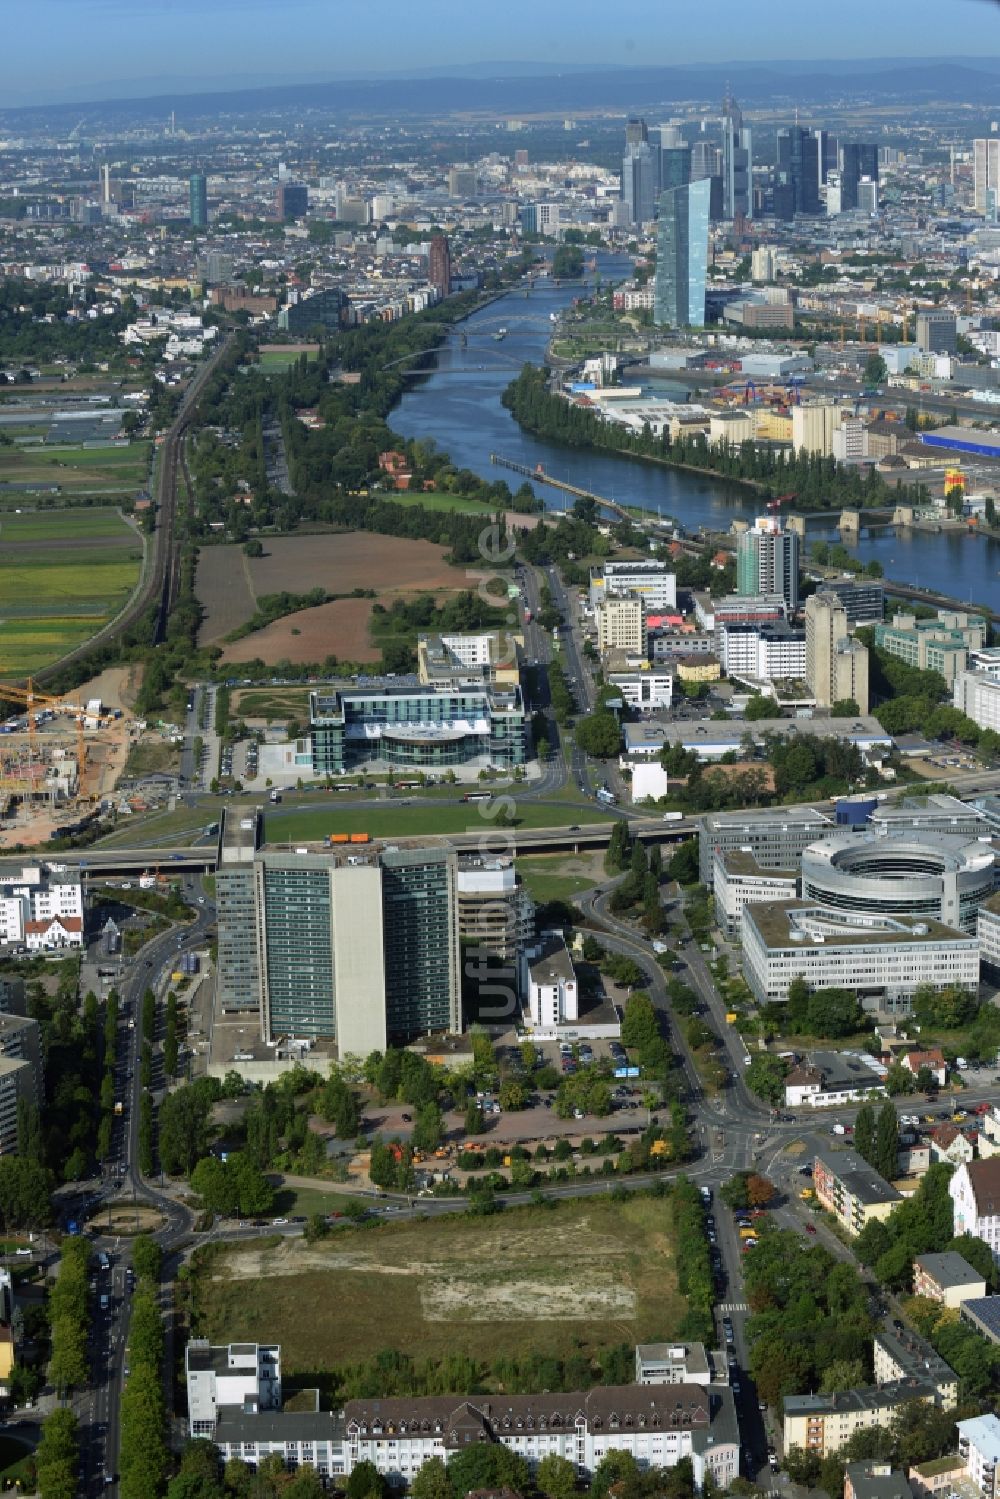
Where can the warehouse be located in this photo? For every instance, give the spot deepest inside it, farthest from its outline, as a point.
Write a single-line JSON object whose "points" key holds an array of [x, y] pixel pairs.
{"points": [[964, 440]]}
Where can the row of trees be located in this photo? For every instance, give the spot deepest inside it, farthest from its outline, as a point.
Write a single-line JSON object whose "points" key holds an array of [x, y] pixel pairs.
{"points": [[69, 1316], [143, 1459], [876, 1138]]}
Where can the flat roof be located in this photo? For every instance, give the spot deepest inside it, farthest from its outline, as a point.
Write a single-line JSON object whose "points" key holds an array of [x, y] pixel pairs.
{"points": [[984, 1313], [775, 920], [984, 1433], [741, 861], [861, 1180], [948, 1269]]}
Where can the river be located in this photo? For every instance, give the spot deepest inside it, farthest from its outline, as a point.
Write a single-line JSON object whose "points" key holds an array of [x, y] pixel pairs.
{"points": [[458, 404]]}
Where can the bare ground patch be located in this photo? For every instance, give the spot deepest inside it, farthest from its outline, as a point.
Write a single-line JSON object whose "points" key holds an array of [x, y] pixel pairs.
{"points": [[339, 629], [522, 1299]]}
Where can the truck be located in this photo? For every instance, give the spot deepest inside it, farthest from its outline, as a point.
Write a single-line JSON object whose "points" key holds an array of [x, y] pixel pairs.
{"points": [[119, 1108], [275, 795], [527, 616], [607, 797], [673, 817]]}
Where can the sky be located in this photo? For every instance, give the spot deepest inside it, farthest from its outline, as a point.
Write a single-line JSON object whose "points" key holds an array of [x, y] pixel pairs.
{"points": [[72, 49]]}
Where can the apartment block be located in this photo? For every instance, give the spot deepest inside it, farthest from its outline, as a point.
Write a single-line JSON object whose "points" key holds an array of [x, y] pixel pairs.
{"points": [[979, 1445], [871, 1480], [836, 663], [823, 1424], [975, 1193], [946, 1278], [941, 644], [977, 695], [621, 624], [904, 1354], [851, 1190], [651, 582]]}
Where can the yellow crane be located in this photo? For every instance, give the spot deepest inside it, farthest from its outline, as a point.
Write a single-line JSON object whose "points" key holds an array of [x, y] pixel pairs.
{"points": [[32, 701]]}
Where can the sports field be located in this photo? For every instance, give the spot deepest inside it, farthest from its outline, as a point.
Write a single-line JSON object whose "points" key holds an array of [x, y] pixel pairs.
{"points": [[576, 1278], [63, 574]]}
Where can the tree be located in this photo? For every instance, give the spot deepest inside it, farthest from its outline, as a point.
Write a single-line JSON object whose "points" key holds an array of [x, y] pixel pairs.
{"points": [[474, 1121], [864, 1133], [57, 1456], [876, 371], [844, 707], [759, 706], [431, 1481], [512, 1096], [555, 1478], [842, 1374], [486, 1467], [640, 1024], [599, 734], [428, 1130], [760, 1190], [886, 1143], [366, 1480], [765, 1076]]}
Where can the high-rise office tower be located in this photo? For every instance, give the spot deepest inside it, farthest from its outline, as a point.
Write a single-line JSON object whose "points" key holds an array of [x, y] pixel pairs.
{"points": [[292, 201], [986, 172], [859, 161], [675, 167], [198, 194], [640, 182], [797, 173], [706, 160], [682, 256], [636, 133], [439, 264], [836, 663], [358, 944], [828, 153], [767, 561], [737, 151], [670, 136]]}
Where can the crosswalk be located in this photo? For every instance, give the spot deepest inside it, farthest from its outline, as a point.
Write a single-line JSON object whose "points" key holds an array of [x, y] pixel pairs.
{"points": [[734, 1306]]}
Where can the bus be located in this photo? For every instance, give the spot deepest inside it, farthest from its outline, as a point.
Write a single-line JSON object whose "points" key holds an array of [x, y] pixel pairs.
{"points": [[477, 796]]}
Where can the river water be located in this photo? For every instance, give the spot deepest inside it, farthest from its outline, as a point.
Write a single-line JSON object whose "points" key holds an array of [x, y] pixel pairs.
{"points": [[458, 404]]}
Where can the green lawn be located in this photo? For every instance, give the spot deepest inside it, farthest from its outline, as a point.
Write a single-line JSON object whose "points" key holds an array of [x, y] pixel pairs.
{"points": [[304, 1201], [435, 500], [554, 877], [579, 1277], [312, 824], [90, 524], [76, 467]]}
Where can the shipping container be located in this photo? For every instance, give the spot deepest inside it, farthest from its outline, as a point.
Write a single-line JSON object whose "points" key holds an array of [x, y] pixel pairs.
{"points": [[338, 838], [361, 837]]}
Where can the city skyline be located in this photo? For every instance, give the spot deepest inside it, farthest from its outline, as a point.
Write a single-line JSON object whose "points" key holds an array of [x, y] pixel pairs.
{"points": [[91, 49]]}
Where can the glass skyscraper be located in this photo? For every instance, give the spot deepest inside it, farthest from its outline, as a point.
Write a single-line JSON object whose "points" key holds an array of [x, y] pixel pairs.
{"points": [[199, 201], [682, 256]]}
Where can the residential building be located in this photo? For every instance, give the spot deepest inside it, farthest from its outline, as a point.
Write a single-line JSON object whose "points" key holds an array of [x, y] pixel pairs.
{"points": [[775, 836], [940, 1475], [763, 654], [550, 983], [830, 1079], [836, 663], [644, 689], [41, 911], [621, 624], [738, 879], [941, 644], [979, 1445], [238, 965], [871, 1480], [989, 1133], [416, 726], [901, 1353], [982, 1313], [931, 1061], [851, 1190], [20, 1040], [949, 1144], [975, 1193], [496, 915], [682, 256], [651, 582], [244, 1376], [822, 1424], [882, 959], [198, 197], [977, 695], [672, 1363], [439, 264], [946, 1278], [767, 562], [17, 1085]]}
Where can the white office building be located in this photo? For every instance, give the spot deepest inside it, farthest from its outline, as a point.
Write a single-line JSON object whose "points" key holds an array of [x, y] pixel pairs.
{"points": [[738, 881], [977, 695], [644, 689], [649, 581], [550, 985], [883, 960], [241, 1376], [979, 1445]]}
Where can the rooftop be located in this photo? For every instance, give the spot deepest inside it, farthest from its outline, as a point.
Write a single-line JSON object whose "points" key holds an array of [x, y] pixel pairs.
{"points": [[776, 921], [914, 1356], [866, 1398], [982, 1432], [861, 1180], [948, 1269], [983, 1312]]}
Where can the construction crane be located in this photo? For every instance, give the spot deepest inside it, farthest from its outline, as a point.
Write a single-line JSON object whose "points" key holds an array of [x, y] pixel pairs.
{"points": [[32, 700]]}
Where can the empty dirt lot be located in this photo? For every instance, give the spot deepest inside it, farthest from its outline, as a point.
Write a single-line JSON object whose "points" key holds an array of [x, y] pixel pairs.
{"points": [[230, 582]]}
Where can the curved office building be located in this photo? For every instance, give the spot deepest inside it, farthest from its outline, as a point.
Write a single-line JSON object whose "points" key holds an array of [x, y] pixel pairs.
{"points": [[912, 874]]}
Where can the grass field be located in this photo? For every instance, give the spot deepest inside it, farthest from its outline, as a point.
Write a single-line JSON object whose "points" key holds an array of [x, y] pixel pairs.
{"points": [[77, 467], [435, 500], [556, 877], [271, 703], [417, 821], [276, 361], [62, 575], [572, 1279]]}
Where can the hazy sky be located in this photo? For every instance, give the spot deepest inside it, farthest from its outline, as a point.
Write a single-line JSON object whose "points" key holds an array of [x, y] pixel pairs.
{"points": [[69, 48]]}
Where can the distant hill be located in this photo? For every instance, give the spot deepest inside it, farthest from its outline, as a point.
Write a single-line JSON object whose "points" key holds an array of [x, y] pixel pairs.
{"points": [[529, 87]]}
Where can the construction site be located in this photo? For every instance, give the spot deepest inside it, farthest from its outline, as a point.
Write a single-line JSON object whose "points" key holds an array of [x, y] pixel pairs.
{"points": [[59, 758]]}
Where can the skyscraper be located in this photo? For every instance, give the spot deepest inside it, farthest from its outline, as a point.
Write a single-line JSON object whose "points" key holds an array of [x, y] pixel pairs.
{"points": [[836, 663], [767, 561], [198, 188], [986, 172], [640, 182], [737, 151], [292, 200], [797, 173], [859, 161], [682, 256], [828, 152], [636, 133], [439, 264], [420, 917], [675, 167]]}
